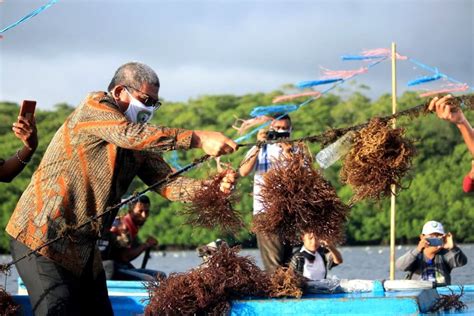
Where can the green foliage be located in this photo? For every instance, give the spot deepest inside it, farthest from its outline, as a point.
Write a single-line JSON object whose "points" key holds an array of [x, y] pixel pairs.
{"points": [[433, 190]]}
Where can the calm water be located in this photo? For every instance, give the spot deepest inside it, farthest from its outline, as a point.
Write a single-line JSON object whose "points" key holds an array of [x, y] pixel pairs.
{"points": [[371, 262]]}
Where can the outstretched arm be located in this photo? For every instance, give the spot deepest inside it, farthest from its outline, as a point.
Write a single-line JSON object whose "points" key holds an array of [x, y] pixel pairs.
{"points": [[445, 111]]}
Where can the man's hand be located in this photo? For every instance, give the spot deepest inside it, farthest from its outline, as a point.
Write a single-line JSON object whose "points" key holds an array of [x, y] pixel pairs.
{"points": [[213, 143], [422, 244], [25, 130], [228, 181], [151, 242], [262, 135], [445, 111], [448, 241]]}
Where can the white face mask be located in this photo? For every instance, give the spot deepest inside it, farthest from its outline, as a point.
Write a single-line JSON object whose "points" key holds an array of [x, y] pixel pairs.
{"points": [[137, 112]]}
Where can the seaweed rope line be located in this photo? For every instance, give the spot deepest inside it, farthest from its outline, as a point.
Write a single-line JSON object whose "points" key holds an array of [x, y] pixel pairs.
{"points": [[29, 16], [466, 101]]}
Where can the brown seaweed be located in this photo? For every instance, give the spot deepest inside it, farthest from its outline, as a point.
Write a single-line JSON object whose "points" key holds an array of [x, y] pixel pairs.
{"points": [[208, 289], [449, 302], [211, 208], [7, 305], [380, 156], [296, 199]]}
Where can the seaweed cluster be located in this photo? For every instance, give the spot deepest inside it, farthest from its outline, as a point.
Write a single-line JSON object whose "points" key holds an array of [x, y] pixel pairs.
{"points": [[285, 282], [7, 305], [210, 207], [449, 302], [210, 288], [380, 156], [297, 199]]}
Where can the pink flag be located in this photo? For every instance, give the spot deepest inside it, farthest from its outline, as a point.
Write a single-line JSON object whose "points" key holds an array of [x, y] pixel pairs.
{"points": [[382, 52], [246, 124], [327, 73], [446, 89], [283, 98]]}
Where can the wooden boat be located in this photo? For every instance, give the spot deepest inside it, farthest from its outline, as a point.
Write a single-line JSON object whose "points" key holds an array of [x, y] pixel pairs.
{"points": [[379, 298]]}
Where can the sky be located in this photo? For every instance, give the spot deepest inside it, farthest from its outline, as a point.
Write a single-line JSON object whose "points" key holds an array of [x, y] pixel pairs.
{"points": [[203, 47]]}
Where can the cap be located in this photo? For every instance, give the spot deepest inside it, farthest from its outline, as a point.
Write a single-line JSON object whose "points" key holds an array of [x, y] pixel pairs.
{"points": [[432, 227]]}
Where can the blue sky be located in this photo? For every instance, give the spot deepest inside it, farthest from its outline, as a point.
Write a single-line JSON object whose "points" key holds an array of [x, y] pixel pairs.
{"points": [[217, 47]]}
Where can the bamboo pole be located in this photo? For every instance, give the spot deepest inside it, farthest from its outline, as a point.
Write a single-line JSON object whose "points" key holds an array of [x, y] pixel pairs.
{"points": [[392, 199]]}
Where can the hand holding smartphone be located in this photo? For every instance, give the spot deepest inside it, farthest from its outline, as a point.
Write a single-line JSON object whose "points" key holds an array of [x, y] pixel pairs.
{"points": [[27, 109], [435, 241]]}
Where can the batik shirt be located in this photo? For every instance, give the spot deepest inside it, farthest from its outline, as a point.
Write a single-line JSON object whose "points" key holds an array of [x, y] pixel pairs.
{"points": [[87, 167]]}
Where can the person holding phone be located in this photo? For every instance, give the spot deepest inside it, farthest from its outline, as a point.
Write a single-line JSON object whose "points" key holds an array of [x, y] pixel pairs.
{"points": [[434, 257], [25, 130], [88, 166]]}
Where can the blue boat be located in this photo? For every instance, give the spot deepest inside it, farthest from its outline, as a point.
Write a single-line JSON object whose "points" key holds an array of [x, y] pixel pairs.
{"points": [[382, 298]]}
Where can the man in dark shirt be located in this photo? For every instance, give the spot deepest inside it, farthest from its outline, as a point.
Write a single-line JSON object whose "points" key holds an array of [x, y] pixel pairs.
{"points": [[120, 245]]}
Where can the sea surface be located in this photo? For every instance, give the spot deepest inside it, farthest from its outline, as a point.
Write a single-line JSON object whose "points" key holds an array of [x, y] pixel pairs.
{"points": [[367, 262]]}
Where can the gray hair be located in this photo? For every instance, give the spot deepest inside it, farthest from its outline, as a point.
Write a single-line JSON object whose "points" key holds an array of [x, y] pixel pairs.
{"points": [[134, 74]]}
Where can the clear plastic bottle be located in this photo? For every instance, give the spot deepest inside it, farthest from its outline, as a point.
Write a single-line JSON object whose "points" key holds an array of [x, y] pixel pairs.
{"points": [[336, 150]]}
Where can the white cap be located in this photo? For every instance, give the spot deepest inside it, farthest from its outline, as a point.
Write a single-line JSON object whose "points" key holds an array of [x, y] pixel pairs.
{"points": [[432, 227]]}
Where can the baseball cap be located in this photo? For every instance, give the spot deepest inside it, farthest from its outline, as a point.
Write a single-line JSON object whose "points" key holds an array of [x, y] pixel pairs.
{"points": [[431, 227]]}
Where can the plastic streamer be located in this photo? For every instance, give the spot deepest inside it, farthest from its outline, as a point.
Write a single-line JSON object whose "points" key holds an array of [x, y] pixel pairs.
{"points": [[449, 88], [173, 160], [29, 16], [327, 73], [311, 83], [454, 86], [289, 97], [424, 80], [246, 124], [374, 54], [273, 109], [310, 99]]}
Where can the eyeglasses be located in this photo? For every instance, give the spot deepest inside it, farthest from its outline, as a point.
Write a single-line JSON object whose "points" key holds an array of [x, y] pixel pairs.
{"points": [[148, 100]]}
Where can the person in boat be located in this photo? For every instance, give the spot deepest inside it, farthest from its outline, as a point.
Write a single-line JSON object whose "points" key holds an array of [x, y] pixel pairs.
{"points": [[25, 130], [444, 110], [434, 257], [274, 252], [120, 245], [315, 258], [206, 251], [88, 166]]}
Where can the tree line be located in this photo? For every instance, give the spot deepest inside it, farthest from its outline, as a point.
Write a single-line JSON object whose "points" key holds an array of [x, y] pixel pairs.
{"points": [[432, 191]]}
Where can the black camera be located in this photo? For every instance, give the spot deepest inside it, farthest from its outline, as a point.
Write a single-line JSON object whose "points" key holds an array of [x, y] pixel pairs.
{"points": [[274, 135]]}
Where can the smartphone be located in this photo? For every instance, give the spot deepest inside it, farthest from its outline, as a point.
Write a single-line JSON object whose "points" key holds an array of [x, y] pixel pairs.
{"points": [[27, 109], [435, 241]]}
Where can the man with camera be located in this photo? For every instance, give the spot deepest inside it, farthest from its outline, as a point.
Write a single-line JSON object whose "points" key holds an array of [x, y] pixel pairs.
{"points": [[434, 257], [273, 251]]}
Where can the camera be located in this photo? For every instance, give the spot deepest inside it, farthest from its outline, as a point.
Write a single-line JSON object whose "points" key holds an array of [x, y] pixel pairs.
{"points": [[435, 241], [274, 135]]}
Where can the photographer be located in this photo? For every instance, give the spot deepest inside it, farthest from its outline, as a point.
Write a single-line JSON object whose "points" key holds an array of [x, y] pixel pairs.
{"points": [[434, 257], [259, 159]]}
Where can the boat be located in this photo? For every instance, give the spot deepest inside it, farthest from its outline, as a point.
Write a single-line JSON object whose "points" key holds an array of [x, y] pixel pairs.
{"points": [[364, 297]]}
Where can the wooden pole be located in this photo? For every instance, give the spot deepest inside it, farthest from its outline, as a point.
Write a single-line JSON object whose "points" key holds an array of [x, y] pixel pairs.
{"points": [[392, 198]]}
